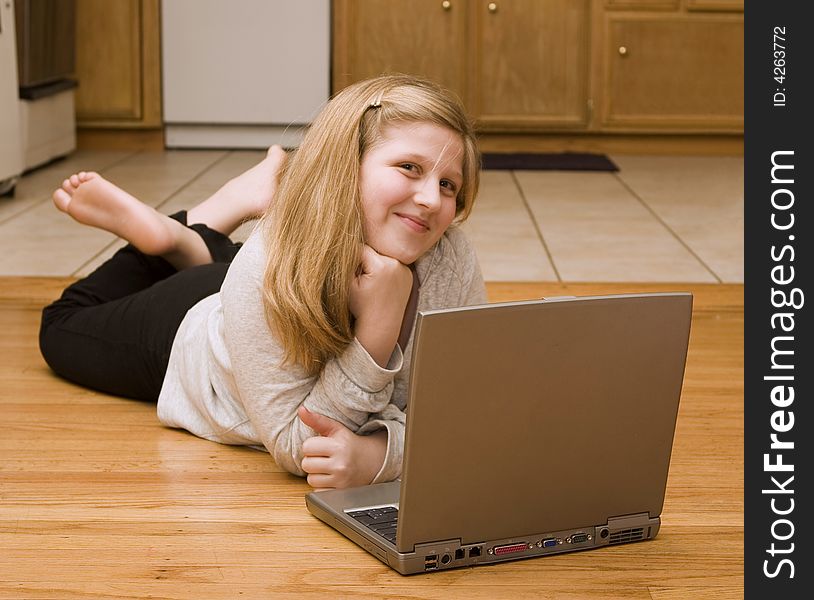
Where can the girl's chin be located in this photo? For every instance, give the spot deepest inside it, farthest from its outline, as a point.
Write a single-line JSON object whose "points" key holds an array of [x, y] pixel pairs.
{"points": [[404, 256], [405, 249]]}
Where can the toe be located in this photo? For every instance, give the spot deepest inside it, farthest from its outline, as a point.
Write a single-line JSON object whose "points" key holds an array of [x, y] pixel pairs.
{"points": [[74, 179], [276, 151], [61, 199], [68, 186]]}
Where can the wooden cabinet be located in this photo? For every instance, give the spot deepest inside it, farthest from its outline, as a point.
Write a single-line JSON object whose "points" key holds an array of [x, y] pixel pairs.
{"points": [[530, 64], [517, 64], [539, 66], [118, 64], [644, 4], [419, 37], [672, 72]]}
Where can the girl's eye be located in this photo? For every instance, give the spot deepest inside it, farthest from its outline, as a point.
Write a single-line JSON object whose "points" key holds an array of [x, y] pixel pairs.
{"points": [[449, 185], [408, 167]]}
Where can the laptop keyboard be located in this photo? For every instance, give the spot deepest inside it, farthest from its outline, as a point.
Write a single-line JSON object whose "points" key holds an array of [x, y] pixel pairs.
{"points": [[379, 520]]}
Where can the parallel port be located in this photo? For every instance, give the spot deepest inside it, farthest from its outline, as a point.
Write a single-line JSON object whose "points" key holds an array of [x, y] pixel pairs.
{"points": [[509, 548]]}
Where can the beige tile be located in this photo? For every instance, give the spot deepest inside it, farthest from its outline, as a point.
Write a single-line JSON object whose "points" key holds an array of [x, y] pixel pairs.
{"points": [[44, 241], [503, 234], [593, 226], [700, 199], [153, 177], [596, 230], [38, 185]]}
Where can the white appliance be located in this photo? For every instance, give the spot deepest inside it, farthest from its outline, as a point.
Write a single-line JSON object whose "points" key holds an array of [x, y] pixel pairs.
{"points": [[48, 125], [44, 75], [245, 73], [11, 150]]}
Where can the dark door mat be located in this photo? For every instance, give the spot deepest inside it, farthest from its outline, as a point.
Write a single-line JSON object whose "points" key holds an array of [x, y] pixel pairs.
{"points": [[564, 161]]}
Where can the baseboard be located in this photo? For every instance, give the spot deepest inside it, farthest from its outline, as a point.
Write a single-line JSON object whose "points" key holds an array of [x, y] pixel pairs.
{"points": [[681, 144], [119, 139]]}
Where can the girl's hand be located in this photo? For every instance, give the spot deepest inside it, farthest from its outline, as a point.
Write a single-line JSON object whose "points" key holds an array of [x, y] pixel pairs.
{"points": [[338, 458], [378, 297]]}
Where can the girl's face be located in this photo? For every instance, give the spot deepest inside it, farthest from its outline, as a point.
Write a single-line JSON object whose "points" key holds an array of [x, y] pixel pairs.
{"points": [[409, 182]]}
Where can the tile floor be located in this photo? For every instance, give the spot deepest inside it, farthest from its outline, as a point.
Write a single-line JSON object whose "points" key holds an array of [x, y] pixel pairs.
{"points": [[658, 219]]}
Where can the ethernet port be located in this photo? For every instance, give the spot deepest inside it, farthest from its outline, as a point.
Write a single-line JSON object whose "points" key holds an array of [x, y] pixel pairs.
{"points": [[473, 552]]}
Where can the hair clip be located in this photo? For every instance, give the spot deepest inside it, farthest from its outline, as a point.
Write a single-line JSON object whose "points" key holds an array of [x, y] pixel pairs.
{"points": [[377, 102]]}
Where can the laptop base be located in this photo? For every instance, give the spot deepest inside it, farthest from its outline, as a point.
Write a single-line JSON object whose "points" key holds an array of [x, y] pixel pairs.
{"points": [[450, 554]]}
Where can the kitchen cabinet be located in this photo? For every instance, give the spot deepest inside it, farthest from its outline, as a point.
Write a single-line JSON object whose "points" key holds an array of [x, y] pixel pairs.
{"points": [[420, 37], [530, 64], [672, 71], [517, 64], [118, 64], [563, 66]]}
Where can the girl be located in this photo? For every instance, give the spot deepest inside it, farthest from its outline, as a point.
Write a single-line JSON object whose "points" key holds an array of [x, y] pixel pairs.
{"points": [[298, 343]]}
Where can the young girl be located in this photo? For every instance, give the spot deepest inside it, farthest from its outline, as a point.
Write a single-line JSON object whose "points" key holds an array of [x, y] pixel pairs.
{"points": [[299, 343]]}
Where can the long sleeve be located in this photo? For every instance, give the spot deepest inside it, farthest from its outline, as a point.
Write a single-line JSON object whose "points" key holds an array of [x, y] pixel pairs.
{"points": [[349, 388], [226, 380]]}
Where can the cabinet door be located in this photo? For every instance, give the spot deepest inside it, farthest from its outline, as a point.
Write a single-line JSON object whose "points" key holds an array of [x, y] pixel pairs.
{"points": [[531, 64], [419, 37], [117, 63], [674, 73]]}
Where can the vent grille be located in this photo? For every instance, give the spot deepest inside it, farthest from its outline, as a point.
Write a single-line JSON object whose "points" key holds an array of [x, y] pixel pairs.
{"points": [[626, 535]]}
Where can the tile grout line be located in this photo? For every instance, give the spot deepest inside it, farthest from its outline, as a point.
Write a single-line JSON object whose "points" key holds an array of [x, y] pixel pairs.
{"points": [[157, 206], [666, 226], [195, 177], [535, 224], [40, 202]]}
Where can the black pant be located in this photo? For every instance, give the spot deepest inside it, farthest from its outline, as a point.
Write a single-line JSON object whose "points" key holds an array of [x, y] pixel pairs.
{"points": [[113, 330]]}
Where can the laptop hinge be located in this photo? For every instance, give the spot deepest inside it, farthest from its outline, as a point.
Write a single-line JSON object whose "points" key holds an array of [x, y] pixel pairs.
{"points": [[625, 521], [440, 546]]}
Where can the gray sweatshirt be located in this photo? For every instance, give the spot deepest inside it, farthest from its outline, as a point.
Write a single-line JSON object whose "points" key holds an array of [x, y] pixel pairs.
{"points": [[226, 382]]}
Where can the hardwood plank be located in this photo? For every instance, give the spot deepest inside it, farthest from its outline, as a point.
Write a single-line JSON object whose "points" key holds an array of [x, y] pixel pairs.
{"points": [[100, 500]]}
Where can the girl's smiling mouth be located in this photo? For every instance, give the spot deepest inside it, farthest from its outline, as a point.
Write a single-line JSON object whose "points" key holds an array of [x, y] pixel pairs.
{"points": [[417, 224]]}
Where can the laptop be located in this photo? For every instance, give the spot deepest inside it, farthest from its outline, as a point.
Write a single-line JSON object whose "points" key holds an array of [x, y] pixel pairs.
{"points": [[533, 428]]}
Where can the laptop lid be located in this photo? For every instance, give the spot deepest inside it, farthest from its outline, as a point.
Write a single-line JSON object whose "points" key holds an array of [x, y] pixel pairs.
{"points": [[539, 416]]}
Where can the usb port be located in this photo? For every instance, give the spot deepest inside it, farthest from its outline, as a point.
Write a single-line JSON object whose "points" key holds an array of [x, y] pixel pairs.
{"points": [[431, 562]]}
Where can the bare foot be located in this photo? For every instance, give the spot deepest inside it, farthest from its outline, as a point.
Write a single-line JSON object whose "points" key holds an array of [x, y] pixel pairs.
{"points": [[243, 198], [92, 200]]}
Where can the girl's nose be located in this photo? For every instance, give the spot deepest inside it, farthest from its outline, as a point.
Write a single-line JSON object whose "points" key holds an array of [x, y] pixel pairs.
{"points": [[429, 195]]}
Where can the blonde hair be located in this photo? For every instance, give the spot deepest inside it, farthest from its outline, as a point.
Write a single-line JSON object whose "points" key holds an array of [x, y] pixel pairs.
{"points": [[313, 229]]}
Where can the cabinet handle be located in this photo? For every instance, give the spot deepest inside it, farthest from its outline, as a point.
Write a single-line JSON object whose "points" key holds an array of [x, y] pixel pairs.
{"points": [[446, 5], [492, 7], [623, 50]]}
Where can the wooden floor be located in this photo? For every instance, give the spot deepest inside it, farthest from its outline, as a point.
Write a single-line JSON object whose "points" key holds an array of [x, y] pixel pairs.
{"points": [[98, 500]]}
